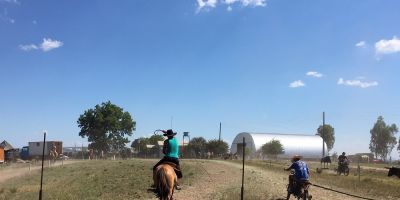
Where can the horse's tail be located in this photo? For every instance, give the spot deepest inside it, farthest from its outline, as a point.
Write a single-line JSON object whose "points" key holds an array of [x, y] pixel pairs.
{"points": [[164, 186]]}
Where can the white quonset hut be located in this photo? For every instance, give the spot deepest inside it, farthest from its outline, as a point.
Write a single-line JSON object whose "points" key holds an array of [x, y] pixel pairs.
{"points": [[308, 146]]}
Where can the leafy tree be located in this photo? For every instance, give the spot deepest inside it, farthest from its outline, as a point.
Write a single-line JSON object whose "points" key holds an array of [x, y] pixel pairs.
{"points": [[155, 138], [398, 147], [334, 156], [217, 147], [328, 134], [106, 127], [272, 149], [140, 144], [383, 138], [198, 145]]}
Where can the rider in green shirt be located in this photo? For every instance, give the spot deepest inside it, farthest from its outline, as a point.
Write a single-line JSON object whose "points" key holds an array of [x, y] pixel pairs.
{"points": [[171, 153]]}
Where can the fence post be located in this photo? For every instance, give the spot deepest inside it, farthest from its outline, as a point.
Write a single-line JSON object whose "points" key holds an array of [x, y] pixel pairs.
{"points": [[41, 175], [359, 171], [242, 189]]}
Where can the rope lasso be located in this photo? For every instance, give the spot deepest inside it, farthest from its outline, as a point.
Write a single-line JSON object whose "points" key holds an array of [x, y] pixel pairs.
{"points": [[352, 195]]}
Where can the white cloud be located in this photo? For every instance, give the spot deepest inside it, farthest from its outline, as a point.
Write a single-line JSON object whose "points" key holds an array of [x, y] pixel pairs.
{"points": [[28, 47], [49, 44], [296, 84], [254, 2], [247, 2], [314, 74], [209, 4], [4, 17], [357, 83], [10, 1], [361, 44], [387, 46], [206, 4]]}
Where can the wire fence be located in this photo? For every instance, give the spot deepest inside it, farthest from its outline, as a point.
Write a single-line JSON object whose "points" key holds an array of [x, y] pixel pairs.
{"points": [[345, 193]]}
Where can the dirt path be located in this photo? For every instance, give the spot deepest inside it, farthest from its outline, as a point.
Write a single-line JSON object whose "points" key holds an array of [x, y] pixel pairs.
{"points": [[217, 177], [226, 176], [11, 172]]}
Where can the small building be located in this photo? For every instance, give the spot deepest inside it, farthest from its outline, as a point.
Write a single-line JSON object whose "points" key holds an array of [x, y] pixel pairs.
{"points": [[36, 148], [1, 154], [10, 153], [308, 146]]}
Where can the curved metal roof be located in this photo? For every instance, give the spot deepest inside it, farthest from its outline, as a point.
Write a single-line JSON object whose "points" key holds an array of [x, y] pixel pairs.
{"points": [[309, 146]]}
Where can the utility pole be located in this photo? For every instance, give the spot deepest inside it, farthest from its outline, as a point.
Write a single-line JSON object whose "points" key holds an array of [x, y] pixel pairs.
{"points": [[323, 134], [219, 139]]}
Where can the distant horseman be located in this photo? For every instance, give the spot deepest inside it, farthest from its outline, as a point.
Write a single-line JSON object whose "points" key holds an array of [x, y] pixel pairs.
{"points": [[53, 153], [171, 155]]}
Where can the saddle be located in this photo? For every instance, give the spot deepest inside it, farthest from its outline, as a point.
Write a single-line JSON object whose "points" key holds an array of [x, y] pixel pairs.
{"points": [[176, 168]]}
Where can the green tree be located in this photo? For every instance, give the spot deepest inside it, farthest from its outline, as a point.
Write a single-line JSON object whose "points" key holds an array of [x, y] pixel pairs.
{"points": [[198, 145], [272, 149], [328, 134], [155, 138], [334, 156], [217, 147], [106, 127], [383, 138], [140, 144], [398, 147]]}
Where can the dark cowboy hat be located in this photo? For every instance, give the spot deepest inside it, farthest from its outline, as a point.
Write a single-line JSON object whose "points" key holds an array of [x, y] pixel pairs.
{"points": [[169, 132], [297, 157]]}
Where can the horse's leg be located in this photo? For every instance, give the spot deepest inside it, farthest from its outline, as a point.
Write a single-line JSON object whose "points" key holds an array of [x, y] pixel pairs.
{"points": [[171, 186]]}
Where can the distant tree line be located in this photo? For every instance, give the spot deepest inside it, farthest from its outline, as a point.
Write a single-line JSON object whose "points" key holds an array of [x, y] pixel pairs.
{"points": [[198, 147], [382, 138]]}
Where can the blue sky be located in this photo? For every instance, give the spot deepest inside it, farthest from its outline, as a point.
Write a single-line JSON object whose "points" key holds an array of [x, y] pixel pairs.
{"points": [[254, 65]]}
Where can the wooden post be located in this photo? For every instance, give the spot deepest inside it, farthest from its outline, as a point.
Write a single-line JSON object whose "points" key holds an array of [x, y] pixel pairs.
{"points": [[41, 176], [359, 171], [242, 189], [323, 134]]}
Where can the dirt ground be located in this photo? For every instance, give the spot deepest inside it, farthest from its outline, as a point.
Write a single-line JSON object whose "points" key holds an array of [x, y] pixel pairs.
{"points": [[222, 175]]}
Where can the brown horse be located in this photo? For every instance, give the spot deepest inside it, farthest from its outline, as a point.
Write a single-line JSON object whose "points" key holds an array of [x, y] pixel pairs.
{"points": [[165, 180]]}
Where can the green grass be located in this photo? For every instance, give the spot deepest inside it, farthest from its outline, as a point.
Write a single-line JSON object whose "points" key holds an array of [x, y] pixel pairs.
{"points": [[128, 179]]}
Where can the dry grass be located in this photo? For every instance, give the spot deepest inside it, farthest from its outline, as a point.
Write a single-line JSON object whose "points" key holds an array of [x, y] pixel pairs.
{"points": [[129, 179], [373, 182]]}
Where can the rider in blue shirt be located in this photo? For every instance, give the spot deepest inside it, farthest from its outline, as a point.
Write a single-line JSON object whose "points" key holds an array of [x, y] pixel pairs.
{"points": [[300, 168], [301, 172]]}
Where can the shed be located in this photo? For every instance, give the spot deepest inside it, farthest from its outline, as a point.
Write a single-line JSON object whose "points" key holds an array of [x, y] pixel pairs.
{"points": [[36, 148], [8, 150], [6, 146], [1, 154], [308, 146]]}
